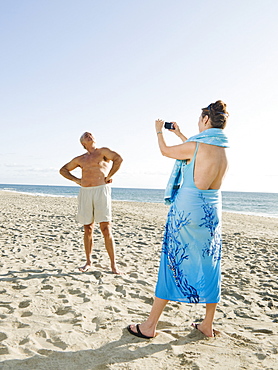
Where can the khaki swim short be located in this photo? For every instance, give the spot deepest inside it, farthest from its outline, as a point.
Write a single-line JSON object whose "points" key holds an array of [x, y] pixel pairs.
{"points": [[94, 204]]}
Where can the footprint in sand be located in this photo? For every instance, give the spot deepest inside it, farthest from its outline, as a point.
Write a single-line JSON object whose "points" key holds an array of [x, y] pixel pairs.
{"points": [[26, 314], [45, 352], [24, 304], [24, 341], [41, 333], [106, 294], [3, 336], [143, 282], [122, 291], [97, 274], [57, 342], [47, 287], [112, 308], [74, 291], [263, 331], [61, 296], [85, 299], [19, 287], [4, 350], [134, 275], [63, 310], [20, 325]]}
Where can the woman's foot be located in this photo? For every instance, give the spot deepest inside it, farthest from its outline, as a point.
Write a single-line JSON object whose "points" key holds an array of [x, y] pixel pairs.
{"points": [[142, 331], [208, 332]]}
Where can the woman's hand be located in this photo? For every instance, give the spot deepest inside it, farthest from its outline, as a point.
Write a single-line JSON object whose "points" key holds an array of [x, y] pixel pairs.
{"points": [[176, 129], [159, 125]]}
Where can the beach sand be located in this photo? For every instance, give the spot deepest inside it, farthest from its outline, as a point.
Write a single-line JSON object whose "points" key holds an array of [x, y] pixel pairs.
{"points": [[54, 317]]}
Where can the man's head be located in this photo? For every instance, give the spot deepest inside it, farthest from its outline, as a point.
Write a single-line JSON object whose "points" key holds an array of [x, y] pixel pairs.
{"points": [[87, 140]]}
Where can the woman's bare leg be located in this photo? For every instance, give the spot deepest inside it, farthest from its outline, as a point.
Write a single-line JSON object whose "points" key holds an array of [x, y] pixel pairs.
{"points": [[206, 325], [148, 327]]}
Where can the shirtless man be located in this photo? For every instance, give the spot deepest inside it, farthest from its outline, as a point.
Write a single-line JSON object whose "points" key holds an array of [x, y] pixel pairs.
{"points": [[94, 199]]}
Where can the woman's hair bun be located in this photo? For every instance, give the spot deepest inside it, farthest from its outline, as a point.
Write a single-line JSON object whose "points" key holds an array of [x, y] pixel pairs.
{"points": [[217, 113]]}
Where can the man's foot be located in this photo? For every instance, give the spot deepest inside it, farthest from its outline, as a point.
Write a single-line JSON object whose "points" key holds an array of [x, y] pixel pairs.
{"points": [[116, 271], [85, 268]]}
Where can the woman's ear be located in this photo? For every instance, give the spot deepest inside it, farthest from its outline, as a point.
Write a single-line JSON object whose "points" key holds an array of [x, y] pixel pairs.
{"points": [[206, 120]]}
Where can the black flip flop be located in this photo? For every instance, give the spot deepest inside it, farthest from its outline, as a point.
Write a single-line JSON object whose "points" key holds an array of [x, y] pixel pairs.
{"points": [[138, 334], [215, 332]]}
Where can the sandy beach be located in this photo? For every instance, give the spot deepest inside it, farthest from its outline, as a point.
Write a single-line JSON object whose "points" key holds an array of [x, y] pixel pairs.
{"points": [[54, 317]]}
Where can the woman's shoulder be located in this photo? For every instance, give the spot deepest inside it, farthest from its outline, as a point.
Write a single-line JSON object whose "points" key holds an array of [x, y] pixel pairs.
{"points": [[211, 148]]}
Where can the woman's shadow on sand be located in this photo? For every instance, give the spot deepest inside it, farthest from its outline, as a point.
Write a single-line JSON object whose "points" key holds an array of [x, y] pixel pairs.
{"points": [[102, 358]]}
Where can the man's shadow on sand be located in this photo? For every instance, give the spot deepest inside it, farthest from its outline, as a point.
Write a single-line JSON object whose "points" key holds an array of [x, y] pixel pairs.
{"points": [[98, 359], [15, 276]]}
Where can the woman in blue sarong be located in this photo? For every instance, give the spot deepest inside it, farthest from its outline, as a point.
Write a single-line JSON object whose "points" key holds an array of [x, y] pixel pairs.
{"points": [[190, 268]]}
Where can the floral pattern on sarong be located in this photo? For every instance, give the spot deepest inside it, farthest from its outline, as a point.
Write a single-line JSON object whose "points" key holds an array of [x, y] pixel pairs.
{"points": [[214, 245], [176, 252]]}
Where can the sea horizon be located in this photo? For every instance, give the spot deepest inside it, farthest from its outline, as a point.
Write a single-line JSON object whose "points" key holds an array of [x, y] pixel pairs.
{"points": [[137, 188], [250, 203]]}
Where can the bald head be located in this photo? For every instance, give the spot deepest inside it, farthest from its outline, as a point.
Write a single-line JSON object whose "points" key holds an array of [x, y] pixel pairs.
{"points": [[82, 137], [87, 138]]}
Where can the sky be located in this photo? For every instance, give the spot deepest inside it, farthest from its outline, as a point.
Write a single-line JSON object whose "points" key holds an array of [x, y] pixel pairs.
{"points": [[113, 67]]}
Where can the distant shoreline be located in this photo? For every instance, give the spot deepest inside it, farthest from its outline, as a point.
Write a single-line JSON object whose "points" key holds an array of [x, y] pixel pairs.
{"points": [[253, 204], [134, 188]]}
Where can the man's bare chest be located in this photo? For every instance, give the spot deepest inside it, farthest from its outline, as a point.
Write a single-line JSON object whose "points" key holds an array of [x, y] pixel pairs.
{"points": [[92, 161]]}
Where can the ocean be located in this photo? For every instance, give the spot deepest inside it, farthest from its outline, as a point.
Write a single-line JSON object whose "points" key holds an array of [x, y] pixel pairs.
{"points": [[261, 204]]}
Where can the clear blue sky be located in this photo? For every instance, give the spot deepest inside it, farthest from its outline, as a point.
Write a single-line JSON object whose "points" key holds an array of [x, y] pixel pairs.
{"points": [[113, 67]]}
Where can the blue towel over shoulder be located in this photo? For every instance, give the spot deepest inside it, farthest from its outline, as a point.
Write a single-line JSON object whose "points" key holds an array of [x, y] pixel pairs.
{"points": [[212, 136]]}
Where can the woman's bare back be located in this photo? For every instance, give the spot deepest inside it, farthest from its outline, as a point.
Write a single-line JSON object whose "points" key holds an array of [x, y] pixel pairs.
{"points": [[210, 166]]}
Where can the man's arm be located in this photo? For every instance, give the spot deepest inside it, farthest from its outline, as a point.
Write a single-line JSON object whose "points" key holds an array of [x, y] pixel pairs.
{"points": [[117, 161], [65, 171]]}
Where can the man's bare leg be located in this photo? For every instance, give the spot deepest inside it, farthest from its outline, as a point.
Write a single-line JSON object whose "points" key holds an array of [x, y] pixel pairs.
{"points": [[206, 325], [148, 327], [106, 229], [88, 245]]}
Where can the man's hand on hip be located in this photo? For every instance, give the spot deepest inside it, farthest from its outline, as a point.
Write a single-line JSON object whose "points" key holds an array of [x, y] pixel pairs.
{"points": [[107, 180]]}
